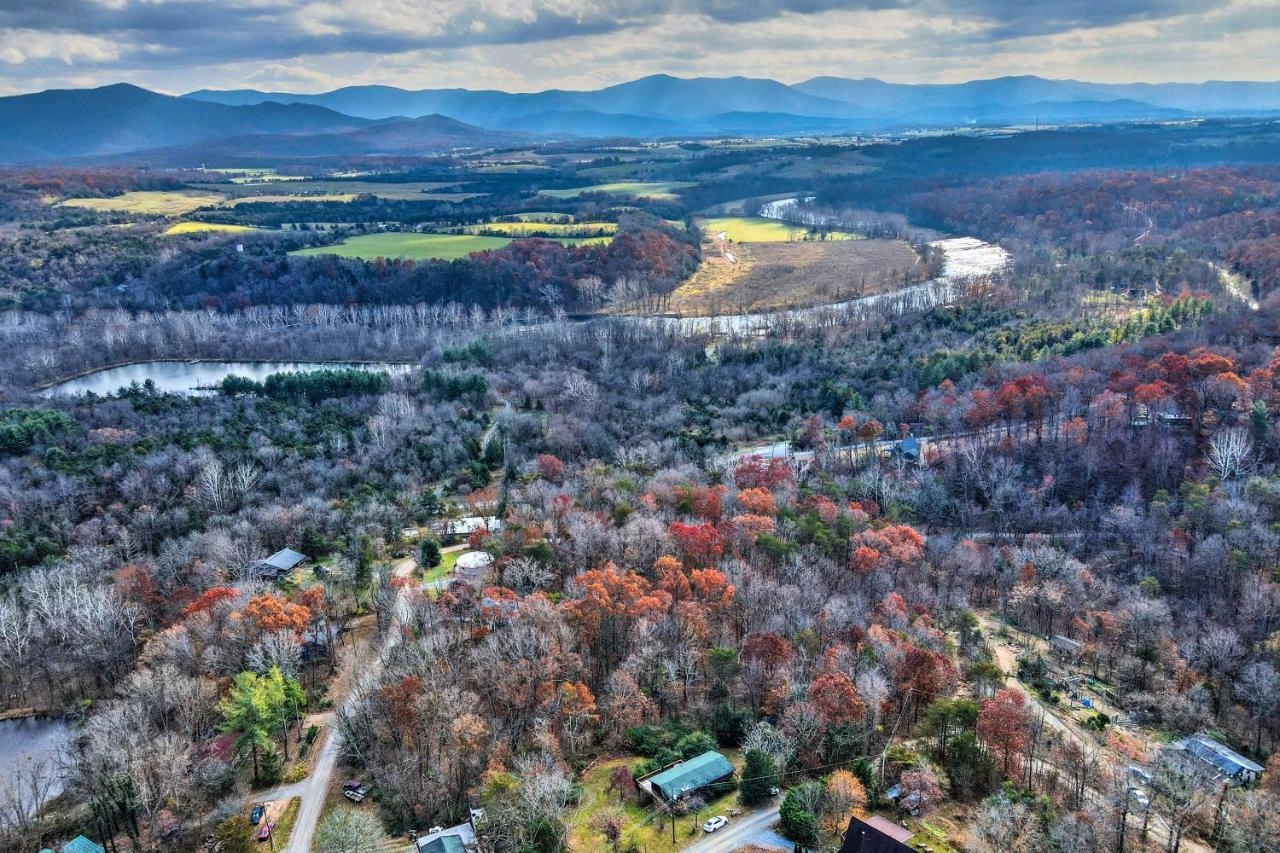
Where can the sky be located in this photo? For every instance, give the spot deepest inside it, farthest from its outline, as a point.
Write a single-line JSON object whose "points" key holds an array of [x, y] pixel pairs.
{"points": [[177, 46]]}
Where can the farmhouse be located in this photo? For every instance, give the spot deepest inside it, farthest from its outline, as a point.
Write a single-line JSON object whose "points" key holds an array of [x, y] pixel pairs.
{"points": [[680, 780], [875, 835], [278, 564], [1219, 760]]}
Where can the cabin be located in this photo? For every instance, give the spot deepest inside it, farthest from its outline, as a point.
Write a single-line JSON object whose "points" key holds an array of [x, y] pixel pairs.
{"points": [[875, 835], [278, 564], [1219, 760], [678, 781]]}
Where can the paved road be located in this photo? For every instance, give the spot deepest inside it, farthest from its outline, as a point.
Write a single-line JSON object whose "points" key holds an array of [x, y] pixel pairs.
{"points": [[753, 828], [315, 787]]}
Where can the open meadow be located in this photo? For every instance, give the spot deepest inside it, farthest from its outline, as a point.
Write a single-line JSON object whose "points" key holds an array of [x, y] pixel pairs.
{"points": [[149, 202], [763, 276]]}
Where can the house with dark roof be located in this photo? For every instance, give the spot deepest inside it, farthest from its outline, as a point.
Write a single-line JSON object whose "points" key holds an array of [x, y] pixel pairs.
{"points": [[1219, 760], [875, 835], [278, 564], [680, 780]]}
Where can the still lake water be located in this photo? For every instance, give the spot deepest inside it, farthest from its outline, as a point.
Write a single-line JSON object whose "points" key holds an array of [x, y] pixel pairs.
{"points": [[32, 740], [187, 377]]}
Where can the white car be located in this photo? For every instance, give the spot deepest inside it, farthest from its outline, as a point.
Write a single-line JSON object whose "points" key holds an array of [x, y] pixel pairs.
{"points": [[714, 823]]}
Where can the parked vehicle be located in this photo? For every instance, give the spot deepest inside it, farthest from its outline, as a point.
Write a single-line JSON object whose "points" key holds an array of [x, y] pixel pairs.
{"points": [[357, 794], [351, 786], [714, 823], [265, 832], [256, 815]]}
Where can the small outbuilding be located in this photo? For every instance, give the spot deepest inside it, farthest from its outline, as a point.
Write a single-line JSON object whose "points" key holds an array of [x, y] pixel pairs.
{"points": [[473, 565], [1065, 647]]}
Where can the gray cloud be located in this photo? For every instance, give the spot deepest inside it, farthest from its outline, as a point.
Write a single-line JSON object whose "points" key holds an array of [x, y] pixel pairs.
{"points": [[146, 38]]}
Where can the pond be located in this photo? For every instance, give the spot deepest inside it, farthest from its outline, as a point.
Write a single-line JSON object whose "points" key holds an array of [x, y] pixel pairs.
{"points": [[196, 377], [32, 741]]}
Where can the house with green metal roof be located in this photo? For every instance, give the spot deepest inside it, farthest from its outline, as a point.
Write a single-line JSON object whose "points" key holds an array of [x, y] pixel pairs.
{"points": [[681, 780], [79, 844]]}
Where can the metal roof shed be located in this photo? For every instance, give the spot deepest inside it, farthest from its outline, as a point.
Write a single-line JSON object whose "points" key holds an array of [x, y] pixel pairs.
{"points": [[688, 776]]}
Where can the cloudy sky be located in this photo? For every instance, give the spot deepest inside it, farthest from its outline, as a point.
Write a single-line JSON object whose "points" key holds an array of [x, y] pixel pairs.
{"points": [[524, 45]]}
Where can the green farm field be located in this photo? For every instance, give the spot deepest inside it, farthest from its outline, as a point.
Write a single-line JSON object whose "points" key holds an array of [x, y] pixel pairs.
{"points": [[658, 190], [757, 229], [421, 247]]}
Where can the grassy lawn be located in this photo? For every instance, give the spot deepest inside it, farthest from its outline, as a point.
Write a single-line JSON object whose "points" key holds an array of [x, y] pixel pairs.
{"points": [[164, 203], [201, 227], [447, 561], [757, 229], [934, 832], [420, 247], [642, 823], [660, 190]]}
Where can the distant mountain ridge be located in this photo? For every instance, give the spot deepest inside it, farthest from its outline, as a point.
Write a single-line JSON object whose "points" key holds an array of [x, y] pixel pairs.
{"points": [[119, 120], [662, 105]]}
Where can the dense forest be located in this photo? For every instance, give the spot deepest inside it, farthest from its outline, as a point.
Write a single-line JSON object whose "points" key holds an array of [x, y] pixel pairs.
{"points": [[1094, 467]]}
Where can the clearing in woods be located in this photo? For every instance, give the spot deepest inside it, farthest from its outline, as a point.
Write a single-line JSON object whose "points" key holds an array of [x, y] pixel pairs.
{"points": [[158, 202], [421, 247], [660, 190], [737, 278]]}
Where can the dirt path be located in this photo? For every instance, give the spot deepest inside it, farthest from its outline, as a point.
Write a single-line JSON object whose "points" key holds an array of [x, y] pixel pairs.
{"points": [[1006, 657]]}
